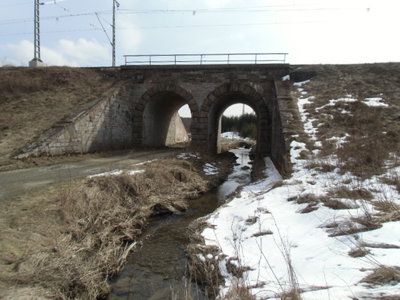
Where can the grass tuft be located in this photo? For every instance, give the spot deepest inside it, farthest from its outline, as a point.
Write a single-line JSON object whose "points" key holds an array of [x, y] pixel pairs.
{"points": [[382, 276], [239, 291], [355, 194]]}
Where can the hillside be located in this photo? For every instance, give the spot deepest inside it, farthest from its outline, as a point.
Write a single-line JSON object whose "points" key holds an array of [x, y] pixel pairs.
{"points": [[331, 229], [367, 113], [32, 100]]}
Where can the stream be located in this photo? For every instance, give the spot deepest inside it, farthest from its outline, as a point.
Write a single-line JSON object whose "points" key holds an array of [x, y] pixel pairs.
{"points": [[157, 269]]}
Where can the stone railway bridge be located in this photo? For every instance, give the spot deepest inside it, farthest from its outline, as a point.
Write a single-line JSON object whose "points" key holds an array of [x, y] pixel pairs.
{"points": [[139, 110]]}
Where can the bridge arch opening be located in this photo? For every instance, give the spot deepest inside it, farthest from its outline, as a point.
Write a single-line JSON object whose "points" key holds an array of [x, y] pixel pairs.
{"points": [[237, 125], [162, 121], [155, 115], [225, 96]]}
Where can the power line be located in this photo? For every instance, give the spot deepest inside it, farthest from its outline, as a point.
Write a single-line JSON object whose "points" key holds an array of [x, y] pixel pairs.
{"points": [[26, 20], [257, 9], [260, 9], [181, 27], [104, 30]]}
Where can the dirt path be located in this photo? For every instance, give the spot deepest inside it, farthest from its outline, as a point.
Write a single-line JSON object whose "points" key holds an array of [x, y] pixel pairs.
{"points": [[15, 182]]}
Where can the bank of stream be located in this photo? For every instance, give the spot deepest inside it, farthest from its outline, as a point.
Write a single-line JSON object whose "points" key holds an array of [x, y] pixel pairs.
{"points": [[157, 269]]}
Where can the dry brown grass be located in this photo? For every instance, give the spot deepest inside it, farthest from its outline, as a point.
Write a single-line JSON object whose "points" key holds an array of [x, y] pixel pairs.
{"points": [[32, 100], [86, 231], [321, 166], [382, 276], [356, 193], [374, 132], [239, 291], [392, 179], [312, 202], [395, 297], [294, 294], [203, 270], [359, 252]]}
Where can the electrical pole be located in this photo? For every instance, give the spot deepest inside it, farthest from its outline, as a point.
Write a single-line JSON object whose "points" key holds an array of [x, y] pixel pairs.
{"points": [[115, 4], [36, 55], [36, 61]]}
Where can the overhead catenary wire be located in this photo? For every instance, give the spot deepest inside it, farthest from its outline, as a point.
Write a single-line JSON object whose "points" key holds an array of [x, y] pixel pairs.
{"points": [[166, 27], [99, 14], [104, 30], [26, 20], [259, 9]]}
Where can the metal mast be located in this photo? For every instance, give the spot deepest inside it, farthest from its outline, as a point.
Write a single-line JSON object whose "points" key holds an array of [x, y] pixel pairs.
{"points": [[36, 55], [115, 4]]}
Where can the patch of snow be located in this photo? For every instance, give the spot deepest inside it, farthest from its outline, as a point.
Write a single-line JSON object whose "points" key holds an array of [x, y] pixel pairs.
{"points": [[116, 172], [307, 121], [110, 173], [134, 172], [231, 135], [332, 102], [188, 155], [301, 83], [340, 141], [146, 162], [375, 102], [210, 169], [286, 78], [234, 136]]}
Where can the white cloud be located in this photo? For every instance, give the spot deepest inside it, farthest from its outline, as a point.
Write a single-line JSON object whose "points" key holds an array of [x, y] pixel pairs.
{"points": [[129, 37], [217, 3], [8, 62], [56, 58], [21, 52], [81, 52]]}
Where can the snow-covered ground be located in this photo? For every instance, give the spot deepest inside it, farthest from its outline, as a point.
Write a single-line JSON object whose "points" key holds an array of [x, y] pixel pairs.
{"points": [[267, 232], [234, 136]]}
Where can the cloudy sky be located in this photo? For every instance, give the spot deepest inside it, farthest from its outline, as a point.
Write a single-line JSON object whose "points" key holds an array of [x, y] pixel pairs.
{"points": [[311, 31], [77, 32]]}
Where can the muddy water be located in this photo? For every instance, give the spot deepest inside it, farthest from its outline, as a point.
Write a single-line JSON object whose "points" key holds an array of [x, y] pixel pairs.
{"points": [[157, 269]]}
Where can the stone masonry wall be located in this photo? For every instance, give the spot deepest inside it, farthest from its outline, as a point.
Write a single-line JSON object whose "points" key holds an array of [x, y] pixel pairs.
{"points": [[117, 120], [103, 125]]}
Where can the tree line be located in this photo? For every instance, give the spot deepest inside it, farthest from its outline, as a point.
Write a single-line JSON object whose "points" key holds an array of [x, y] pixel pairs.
{"points": [[245, 125]]}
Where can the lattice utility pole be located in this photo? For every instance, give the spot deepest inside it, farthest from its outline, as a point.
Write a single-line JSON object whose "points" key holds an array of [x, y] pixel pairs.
{"points": [[115, 4], [36, 61]]}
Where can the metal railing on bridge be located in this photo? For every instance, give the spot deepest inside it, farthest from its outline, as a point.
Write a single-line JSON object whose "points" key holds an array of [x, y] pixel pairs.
{"points": [[205, 59]]}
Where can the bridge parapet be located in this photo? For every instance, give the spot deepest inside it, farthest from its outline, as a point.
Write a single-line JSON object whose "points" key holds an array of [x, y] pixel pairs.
{"points": [[205, 59]]}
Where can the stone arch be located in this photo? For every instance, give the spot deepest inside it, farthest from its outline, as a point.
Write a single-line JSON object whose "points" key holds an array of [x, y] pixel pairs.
{"points": [[237, 92], [157, 92]]}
